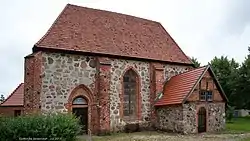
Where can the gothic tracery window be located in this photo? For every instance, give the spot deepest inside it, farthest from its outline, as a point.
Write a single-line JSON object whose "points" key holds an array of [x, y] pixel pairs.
{"points": [[130, 94]]}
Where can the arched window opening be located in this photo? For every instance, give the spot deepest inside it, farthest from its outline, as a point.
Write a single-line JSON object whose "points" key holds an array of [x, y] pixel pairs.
{"points": [[79, 101], [130, 94]]}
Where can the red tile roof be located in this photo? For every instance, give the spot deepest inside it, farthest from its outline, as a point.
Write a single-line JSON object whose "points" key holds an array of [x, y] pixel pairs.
{"points": [[16, 97], [179, 86], [102, 32]]}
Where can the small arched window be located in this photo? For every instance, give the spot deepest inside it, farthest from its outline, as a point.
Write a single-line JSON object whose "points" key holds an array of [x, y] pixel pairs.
{"points": [[130, 94], [79, 101]]}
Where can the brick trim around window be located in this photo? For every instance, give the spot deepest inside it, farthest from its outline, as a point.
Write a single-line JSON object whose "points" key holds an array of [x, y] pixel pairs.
{"points": [[138, 96]]}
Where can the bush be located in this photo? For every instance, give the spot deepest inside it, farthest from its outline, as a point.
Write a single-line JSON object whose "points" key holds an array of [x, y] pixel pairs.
{"points": [[39, 127]]}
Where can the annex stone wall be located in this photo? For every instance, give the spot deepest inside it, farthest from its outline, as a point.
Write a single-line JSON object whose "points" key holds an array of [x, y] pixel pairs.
{"points": [[170, 118], [215, 116], [189, 117], [183, 119]]}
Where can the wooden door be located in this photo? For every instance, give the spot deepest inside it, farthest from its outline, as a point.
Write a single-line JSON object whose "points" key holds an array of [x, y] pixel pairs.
{"points": [[202, 121], [82, 113]]}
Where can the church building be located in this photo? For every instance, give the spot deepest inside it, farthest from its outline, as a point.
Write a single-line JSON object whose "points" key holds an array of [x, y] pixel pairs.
{"points": [[114, 70]]}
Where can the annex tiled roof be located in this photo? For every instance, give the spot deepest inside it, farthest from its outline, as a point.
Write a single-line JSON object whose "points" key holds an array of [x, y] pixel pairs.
{"points": [[16, 97], [179, 86], [96, 31]]}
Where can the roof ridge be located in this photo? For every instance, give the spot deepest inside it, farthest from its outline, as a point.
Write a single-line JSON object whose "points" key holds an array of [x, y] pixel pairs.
{"points": [[112, 12], [12, 93]]}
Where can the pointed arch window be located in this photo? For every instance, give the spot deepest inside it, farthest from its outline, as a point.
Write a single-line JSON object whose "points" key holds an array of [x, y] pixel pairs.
{"points": [[130, 94]]}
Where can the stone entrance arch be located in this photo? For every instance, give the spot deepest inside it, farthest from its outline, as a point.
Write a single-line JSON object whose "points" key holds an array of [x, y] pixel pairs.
{"points": [[80, 103]]}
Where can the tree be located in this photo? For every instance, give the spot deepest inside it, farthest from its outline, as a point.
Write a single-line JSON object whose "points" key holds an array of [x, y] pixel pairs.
{"points": [[229, 113], [2, 98], [227, 73], [195, 61], [243, 89]]}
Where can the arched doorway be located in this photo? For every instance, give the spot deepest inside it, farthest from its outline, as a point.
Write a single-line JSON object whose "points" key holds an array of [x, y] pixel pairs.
{"points": [[80, 109], [80, 103], [202, 121]]}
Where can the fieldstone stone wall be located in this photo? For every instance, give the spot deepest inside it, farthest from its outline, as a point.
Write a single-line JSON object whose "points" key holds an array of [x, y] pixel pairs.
{"points": [[215, 116], [170, 118], [189, 116], [184, 118], [61, 73], [174, 124], [172, 70], [118, 68]]}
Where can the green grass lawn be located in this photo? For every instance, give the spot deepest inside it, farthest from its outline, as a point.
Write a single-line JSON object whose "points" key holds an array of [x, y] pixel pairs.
{"points": [[238, 125]]}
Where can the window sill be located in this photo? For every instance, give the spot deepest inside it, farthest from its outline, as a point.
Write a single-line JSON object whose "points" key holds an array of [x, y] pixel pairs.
{"points": [[206, 100]]}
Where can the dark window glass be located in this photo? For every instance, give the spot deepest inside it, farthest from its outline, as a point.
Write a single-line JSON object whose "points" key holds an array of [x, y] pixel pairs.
{"points": [[79, 101], [17, 113], [203, 95], [209, 95], [129, 97], [206, 95]]}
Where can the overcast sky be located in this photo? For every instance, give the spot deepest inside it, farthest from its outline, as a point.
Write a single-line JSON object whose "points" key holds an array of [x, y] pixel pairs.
{"points": [[202, 28]]}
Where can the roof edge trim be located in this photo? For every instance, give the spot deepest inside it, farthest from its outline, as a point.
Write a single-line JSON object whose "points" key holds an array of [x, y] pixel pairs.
{"points": [[12, 93], [217, 81], [37, 48], [53, 24], [177, 44]]}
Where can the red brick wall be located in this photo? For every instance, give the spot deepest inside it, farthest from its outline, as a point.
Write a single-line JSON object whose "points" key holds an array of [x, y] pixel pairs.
{"points": [[28, 83], [37, 81], [156, 86], [9, 111], [104, 86], [32, 81], [211, 86]]}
